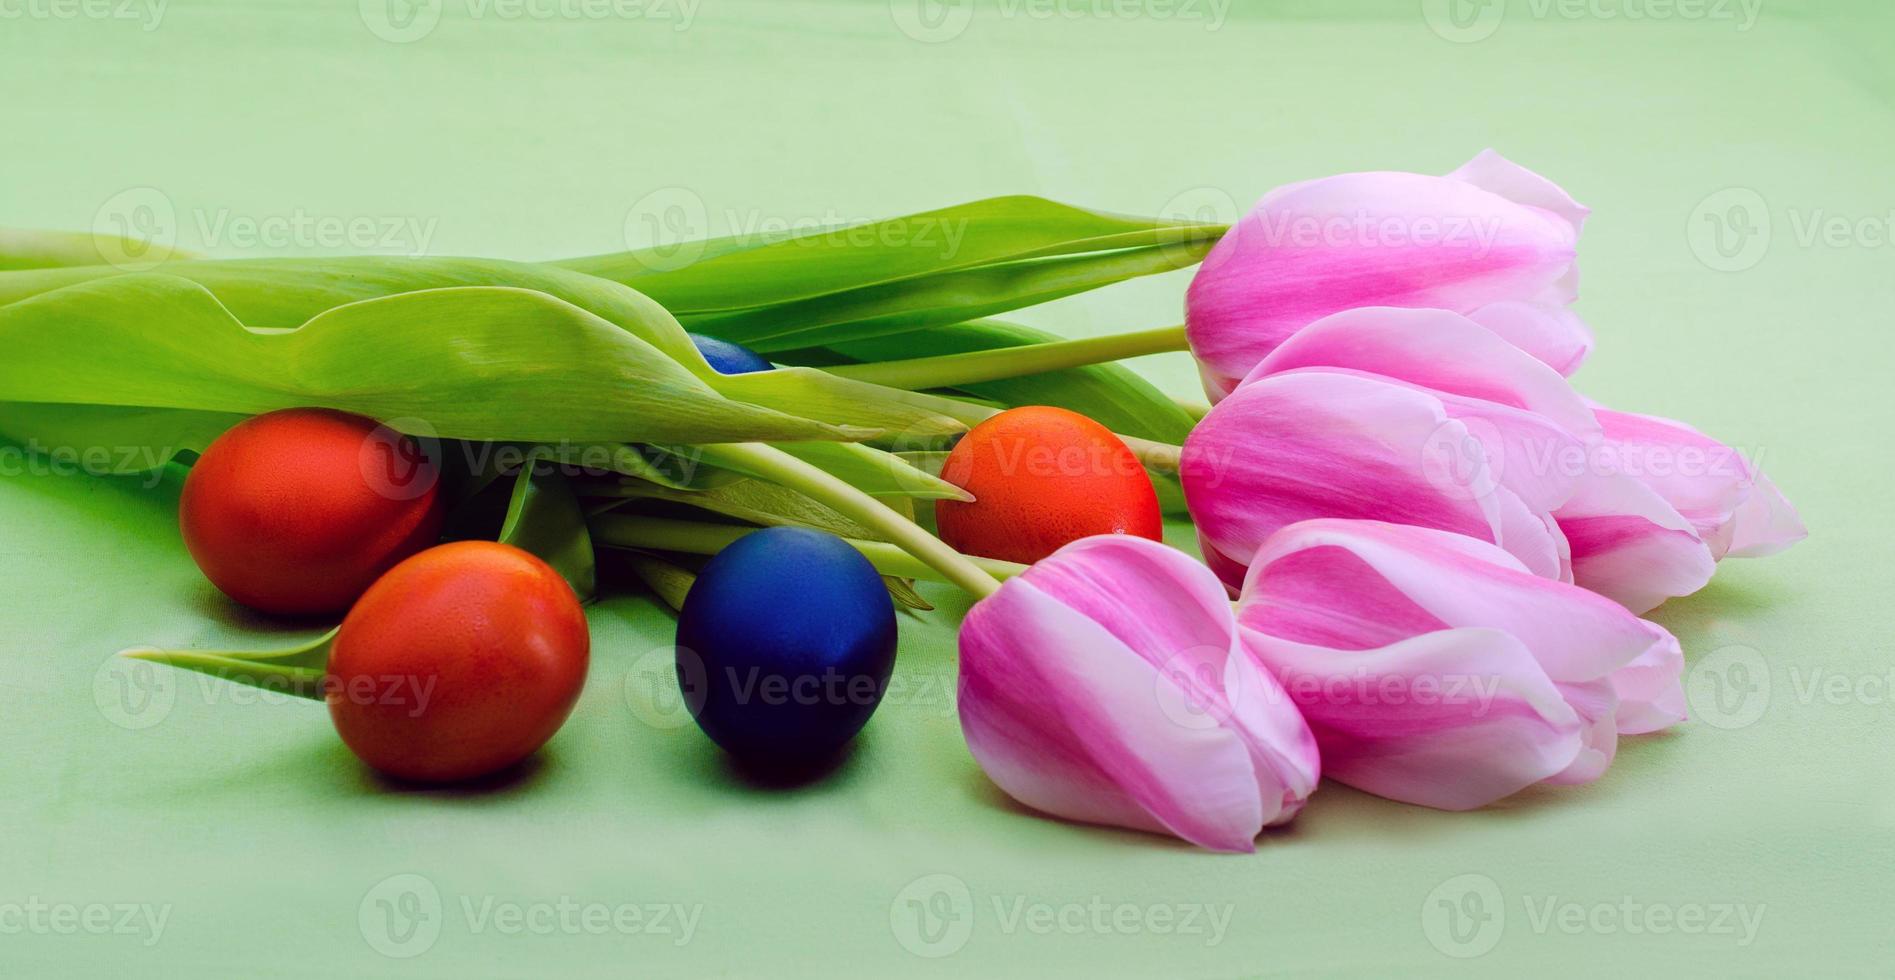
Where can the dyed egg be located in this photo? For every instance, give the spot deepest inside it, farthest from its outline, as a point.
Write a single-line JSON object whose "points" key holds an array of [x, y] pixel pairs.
{"points": [[785, 645], [296, 512], [1041, 478], [728, 358], [460, 662]]}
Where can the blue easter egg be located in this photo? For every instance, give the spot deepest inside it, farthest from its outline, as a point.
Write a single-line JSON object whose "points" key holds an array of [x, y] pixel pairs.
{"points": [[785, 645], [728, 358]]}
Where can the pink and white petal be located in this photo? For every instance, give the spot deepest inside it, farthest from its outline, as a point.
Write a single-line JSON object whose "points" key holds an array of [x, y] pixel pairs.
{"points": [[1596, 704], [1701, 478], [1490, 171], [1173, 612], [1650, 689], [1533, 537], [1309, 444], [1283, 750], [1765, 523], [1477, 719], [1064, 718], [1575, 635], [1630, 546], [1439, 350], [1552, 333], [1365, 239]]}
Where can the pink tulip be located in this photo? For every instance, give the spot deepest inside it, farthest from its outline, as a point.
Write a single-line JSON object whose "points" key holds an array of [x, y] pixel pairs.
{"points": [[1435, 669], [1491, 240], [1419, 417], [1661, 504], [1106, 684]]}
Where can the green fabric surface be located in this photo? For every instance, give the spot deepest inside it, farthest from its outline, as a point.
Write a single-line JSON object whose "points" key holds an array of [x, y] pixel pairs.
{"points": [[269, 851]]}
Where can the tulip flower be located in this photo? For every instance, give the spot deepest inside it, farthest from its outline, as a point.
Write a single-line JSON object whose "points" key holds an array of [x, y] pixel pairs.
{"points": [[1491, 240], [1419, 417], [1107, 685], [1661, 504], [1433, 668]]}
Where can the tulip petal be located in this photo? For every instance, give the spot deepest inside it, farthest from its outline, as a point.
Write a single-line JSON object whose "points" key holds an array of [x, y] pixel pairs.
{"points": [[1553, 334], [1063, 717], [1577, 636], [1765, 523], [1314, 443], [1630, 546], [1453, 719], [1436, 349], [1376, 239]]}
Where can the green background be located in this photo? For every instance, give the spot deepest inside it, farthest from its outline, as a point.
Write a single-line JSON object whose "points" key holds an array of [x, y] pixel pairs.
{"points": [[536, 137]]}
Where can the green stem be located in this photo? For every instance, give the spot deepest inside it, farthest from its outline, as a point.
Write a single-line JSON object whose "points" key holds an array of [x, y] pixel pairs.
{"points": [[949, 370], [770, 463], [704, 538]]}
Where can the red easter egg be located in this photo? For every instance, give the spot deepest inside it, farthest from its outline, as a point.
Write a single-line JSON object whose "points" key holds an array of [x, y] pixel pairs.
{"points": [[296, 512], [459, 662], [1043, 477]]}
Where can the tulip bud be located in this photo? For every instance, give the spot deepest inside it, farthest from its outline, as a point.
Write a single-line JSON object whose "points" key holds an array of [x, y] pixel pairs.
{"points": [[1491, 240], [1435, 669], [1106, 684], [1410, 416], [1660, 504]]}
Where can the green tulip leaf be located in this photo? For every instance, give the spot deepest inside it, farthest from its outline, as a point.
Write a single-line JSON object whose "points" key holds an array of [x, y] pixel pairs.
{"points": [[544, 518], [298, 670], [483, 363], [724, 275]]}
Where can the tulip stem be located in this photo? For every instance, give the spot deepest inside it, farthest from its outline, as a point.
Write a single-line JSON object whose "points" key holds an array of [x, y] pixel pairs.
{"points": [[614, 530], [949, 370], [773, 464]]}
